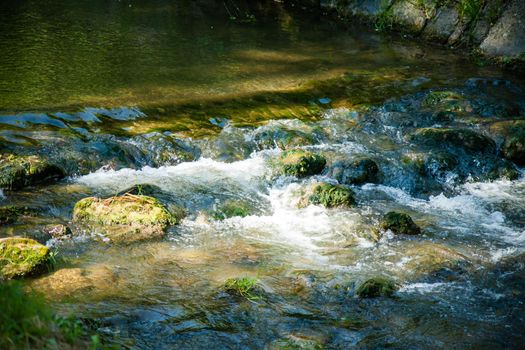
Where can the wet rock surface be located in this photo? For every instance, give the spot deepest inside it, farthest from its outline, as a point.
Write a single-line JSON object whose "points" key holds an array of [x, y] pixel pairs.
{"points": [[20, 257], [125, 218]]}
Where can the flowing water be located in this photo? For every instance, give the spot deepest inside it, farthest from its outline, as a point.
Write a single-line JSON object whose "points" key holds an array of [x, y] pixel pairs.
{"points": [[199, 98]]}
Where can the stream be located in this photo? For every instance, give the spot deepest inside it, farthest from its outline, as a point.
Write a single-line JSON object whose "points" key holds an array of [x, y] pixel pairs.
{"points": [[199, 98]]}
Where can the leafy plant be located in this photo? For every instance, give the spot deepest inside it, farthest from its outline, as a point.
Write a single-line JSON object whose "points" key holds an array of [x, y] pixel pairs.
{"points": [[243, 286]]}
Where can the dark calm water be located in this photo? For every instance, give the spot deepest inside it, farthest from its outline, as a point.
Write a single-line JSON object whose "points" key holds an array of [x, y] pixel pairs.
{"points": [[193, 96]]}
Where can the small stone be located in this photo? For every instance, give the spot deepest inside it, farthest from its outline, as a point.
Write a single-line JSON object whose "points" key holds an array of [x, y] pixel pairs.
{"points": [[376, 287], [399, 223], [300, 163]]}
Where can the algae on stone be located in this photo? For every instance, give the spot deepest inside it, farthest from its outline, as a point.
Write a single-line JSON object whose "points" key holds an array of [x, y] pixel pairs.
{"points": [[21, 257], [300, 163], [231, 208], [332, 196], [399, 223], [124, 218], [20, 171], [376, 287]]}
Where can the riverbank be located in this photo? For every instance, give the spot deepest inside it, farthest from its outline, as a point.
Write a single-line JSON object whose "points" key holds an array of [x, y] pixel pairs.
{"points": [[493, 31]]}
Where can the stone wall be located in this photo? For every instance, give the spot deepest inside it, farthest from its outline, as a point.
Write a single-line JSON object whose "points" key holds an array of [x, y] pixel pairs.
{"points": [[491, 28]]}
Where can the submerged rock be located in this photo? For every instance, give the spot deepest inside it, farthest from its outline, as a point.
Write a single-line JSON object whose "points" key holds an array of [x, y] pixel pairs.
{"points": [[97, 280], [300, 163], [126, 218], [282, 137], [359, 171], [376, 287], [10, 213], [332, 196], [231, 208], [513, 135], [19, 171], [428, 257], [20, 257], [141, 190], [399, 223], [296, 342], [464, 139]]}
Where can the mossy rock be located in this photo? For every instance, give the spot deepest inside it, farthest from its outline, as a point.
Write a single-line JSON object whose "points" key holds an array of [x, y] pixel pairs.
{"points": [[331, 196], [300, 163], [356, 172], [513, 134], [126, 218], [231, 208], [399, 223], [20, 257], [9, 214], [376, 287], [465, 139], [20, 171]]}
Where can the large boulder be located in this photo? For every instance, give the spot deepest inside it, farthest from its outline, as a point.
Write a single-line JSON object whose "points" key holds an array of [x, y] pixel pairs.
{"points": [[454, 139], [125, 218], [300, 163], [19, 171], [20, 257]]}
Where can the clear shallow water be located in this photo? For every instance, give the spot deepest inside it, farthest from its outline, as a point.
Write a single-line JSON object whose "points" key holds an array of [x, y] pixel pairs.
{"points": [[125, 95]]}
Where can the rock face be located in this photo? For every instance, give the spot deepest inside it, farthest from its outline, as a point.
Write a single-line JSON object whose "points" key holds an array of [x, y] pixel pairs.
{"points": [[376, 287], [399, 223], [507, 36], [21, 257], [126, 218], [300, 163], [19, 171], [332, 196], [496, 28]]}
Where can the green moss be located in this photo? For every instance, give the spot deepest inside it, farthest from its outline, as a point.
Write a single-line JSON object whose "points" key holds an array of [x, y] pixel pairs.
{"points": [[125, 218], [20, 257], [300, 163], [244, 287], [20, 171], [399, 223], [443, 98], [231, 208], [376, 287], [332, 196], [466, 139]]}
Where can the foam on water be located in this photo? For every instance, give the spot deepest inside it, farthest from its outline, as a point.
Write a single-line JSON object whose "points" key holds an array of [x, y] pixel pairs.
{"points": [[182, 177]]}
